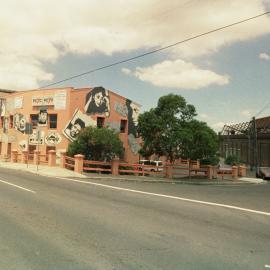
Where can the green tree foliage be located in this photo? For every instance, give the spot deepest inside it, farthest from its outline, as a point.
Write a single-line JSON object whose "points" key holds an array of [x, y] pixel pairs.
{"points": [[97, 144], [170, 130]]}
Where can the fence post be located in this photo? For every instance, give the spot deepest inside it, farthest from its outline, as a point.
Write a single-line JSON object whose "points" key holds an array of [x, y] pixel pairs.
{"points": [[115, 166], [78, 167], [14, 156], [52, 158], [36, 157], [24, 156], [169, 170], [62, 159], [242, 171], [210, 172], [235, 172]]}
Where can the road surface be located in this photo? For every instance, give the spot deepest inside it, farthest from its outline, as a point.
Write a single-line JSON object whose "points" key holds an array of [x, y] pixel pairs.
{"points": [[49, 223]]}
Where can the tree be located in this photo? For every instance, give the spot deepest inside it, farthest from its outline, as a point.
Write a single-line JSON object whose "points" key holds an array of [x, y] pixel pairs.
{"points": [[170, 130], [102, 144]]}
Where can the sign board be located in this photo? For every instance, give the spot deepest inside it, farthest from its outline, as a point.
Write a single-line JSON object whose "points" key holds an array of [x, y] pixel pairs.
{"points": [[60, 99], [18, 102], [37, 137], [43, 101]]}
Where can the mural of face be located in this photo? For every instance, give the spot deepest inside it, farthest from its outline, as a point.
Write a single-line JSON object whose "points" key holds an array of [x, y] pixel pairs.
{"points": [[22, 124], [97, 101], [42, 117], [75, 130], [135, 113]]}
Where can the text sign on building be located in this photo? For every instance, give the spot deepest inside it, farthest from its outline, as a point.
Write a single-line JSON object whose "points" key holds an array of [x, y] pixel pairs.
{"points": [[43, 101]]}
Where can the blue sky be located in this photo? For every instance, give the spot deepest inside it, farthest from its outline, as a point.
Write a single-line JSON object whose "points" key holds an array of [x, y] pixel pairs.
{"points": [[224, 74]]}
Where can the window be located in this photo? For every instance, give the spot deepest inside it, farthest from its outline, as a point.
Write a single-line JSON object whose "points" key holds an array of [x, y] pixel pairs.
{"points": [[123, 126], [100, 122], [31, 149], [11, 121], [34, 120], [53, 120]]}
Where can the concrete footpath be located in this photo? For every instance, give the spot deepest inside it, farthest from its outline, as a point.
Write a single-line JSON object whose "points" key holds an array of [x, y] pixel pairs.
{"points": [[61, 172]]}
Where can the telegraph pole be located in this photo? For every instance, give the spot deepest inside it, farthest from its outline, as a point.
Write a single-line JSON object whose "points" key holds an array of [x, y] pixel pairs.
{"points": [[255, 145]]}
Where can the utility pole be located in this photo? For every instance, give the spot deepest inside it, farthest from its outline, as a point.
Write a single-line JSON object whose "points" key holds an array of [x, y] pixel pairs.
{"points": [[256, 160]]}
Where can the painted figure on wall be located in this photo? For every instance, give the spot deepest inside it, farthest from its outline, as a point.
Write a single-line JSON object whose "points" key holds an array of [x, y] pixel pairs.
{"points": [[133, 114], [5, 125], [97, 102], [19, 122], [53, 138], [76, 124], [2, 107], [43, 117]]}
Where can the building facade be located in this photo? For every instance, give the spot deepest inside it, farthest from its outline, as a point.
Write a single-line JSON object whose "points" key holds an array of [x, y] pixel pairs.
{"points": [[57, 116], [250, 141]]}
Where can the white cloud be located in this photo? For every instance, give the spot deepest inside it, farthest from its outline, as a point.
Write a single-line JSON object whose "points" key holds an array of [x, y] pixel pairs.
{"points": [[179, 74], [204, 116], [126, 71], [36, 32], [247, 112], [264, 56]]}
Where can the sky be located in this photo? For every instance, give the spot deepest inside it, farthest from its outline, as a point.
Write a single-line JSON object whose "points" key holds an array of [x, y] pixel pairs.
{"points": [[224, 74]]}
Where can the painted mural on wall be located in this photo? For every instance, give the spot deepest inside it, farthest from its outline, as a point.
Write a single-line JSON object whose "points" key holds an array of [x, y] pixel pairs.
{"points": [[97, 102], [37, 137], [43, 117], [2, 107], [5, 125], [23, 145], [53, 138], [18, 102], [121, 109], [78, 121], [133, 114], [19, 122]]}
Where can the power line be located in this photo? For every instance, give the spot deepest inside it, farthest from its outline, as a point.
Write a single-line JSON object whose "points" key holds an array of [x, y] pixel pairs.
{"points": [[258, 113], [155, 51]]}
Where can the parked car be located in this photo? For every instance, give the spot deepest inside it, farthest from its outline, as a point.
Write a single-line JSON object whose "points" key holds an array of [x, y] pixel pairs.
{"points": [[263, 172], [152, 165]]}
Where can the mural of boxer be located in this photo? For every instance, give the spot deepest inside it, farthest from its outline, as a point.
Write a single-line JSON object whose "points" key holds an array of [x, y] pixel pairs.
{"points": [[78, 122], [133, 114], [19, 122], [97, 102]]}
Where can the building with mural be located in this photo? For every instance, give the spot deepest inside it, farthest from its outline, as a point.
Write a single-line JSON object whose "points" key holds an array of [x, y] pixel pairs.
{"points": [[57, 116]]}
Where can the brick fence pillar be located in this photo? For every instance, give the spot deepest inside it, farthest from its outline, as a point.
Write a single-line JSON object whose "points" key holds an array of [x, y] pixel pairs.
{"points": [[52, 158], [78, 163], [235, 172], [63, 159], [36, 157], [242, 171], [24, 156], [14, 156], [169, 171], [115, 166], [210, 172]]}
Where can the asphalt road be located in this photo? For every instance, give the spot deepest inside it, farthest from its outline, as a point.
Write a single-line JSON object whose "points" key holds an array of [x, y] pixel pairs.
{"points": [[60, 224]]}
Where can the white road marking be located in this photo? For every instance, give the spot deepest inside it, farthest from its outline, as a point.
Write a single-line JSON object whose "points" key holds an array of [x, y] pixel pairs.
{"points": [[8, 183], [169, 196]]}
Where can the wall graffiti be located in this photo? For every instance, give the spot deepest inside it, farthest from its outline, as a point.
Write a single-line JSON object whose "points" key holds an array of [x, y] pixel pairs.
{"points": [[121, 109], [97, 102], [53, 138], [76, 124], [19, 122], [114, 125]]}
